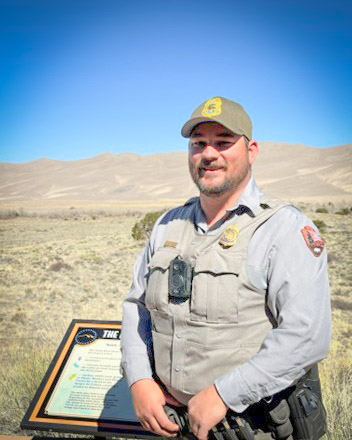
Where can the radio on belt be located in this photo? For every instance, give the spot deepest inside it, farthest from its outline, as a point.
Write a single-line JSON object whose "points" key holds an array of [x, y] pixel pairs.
{"points": [[180, 279]]}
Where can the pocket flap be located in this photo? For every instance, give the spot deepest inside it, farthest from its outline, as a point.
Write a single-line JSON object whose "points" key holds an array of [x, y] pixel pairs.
{"points": [[162, 258], [217, 263]]}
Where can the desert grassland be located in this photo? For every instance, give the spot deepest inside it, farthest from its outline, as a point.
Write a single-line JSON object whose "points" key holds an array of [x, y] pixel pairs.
{"points": [[66, 209], [76, 262], [56, 265]]}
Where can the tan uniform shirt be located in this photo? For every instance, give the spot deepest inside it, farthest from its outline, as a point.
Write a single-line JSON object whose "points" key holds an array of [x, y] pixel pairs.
{"points": [[280, 263]]}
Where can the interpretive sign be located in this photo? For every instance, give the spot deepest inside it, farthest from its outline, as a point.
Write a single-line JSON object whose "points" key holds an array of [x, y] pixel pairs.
{"points": [[83, 390]]}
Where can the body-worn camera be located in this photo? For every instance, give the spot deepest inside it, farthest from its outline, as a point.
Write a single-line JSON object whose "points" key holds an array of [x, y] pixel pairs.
{"points": [[180, 279]]}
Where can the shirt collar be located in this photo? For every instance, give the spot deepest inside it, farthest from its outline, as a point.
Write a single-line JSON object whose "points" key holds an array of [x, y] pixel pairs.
{"points": [[250, 198]]}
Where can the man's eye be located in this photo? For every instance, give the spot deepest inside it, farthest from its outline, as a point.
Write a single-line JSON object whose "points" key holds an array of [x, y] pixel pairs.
{"points": [[223, 145], [199, 144]]}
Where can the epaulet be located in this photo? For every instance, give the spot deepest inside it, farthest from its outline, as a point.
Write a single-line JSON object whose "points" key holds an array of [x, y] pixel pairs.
{"points": [[191, 201], [266, 201]]}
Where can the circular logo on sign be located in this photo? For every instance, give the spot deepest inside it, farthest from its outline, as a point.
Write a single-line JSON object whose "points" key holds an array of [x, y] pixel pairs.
{"points": [[86, 336]]}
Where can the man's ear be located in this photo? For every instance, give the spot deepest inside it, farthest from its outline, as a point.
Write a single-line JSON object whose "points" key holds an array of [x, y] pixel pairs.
{"points": [[253, 150]]}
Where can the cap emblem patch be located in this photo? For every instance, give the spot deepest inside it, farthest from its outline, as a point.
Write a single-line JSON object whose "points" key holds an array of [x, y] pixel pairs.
{"points": [[313, 240], [212, 108], [229, 236]]}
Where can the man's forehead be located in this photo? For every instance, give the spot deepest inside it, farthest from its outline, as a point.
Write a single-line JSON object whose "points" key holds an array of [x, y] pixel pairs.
{"points": [[204, 127]]}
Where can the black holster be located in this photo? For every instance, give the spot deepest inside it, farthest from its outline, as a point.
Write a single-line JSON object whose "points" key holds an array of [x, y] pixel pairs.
{"points": [[296, 411], [308, 415], [278, 419]]}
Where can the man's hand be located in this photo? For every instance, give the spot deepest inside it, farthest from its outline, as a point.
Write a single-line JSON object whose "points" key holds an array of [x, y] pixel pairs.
{"points": [[205, 410], [149, 401]]}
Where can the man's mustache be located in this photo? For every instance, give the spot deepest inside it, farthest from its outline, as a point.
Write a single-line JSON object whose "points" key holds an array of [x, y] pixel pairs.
{"points": [[209, 165]]}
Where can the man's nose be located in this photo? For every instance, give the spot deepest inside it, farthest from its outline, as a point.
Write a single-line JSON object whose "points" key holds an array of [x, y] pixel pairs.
{"points": [[210, 152]]}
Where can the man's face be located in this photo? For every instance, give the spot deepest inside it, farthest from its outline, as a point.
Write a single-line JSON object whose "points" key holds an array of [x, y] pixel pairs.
{"points": [[219, 160]]}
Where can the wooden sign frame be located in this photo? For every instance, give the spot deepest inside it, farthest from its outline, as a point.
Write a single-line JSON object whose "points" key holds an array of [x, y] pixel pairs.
{"points": [[81, 333]]}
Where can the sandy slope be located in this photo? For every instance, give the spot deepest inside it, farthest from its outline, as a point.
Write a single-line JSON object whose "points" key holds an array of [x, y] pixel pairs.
{"points": [[294, 172]]}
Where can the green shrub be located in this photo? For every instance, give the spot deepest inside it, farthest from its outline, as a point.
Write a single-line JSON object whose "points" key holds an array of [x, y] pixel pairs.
{"points": [[343, 211], [143, 228], [320, 224], [322, 210]]}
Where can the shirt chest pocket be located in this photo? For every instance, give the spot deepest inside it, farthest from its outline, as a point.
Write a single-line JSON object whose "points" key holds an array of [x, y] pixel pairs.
{"points": [[157, 287], [215, 287]]}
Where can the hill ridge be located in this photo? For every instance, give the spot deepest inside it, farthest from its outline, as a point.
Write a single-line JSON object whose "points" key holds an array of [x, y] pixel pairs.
{"points": [[289, 171]]}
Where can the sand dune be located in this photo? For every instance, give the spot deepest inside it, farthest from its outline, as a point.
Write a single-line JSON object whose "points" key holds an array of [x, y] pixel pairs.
{"points": [[294, 172]]}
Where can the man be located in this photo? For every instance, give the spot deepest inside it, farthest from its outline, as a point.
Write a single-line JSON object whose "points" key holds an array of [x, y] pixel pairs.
{"points": [[230, 298]]}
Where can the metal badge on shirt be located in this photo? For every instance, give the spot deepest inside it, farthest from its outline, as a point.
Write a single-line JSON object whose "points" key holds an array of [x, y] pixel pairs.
{"points": [[229, 236]]}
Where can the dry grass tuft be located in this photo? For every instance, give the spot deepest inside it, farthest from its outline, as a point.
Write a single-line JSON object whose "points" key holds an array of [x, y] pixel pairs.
{"points": [[341, 304], [336, 379], [59, 265], [21, 372]]}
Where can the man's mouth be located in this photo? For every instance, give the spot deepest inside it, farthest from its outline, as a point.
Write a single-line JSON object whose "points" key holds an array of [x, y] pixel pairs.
{"points": [[203, 170]]}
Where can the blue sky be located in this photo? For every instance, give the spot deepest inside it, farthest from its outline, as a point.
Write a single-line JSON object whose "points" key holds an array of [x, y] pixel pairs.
{"points": [[82, 77]]}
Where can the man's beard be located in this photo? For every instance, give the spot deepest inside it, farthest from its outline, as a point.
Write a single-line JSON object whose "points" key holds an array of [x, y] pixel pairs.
{"points": [[228, 185]]}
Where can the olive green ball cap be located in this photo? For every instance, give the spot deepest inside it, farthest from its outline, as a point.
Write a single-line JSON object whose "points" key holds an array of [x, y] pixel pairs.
{"points": [[223, 111]]}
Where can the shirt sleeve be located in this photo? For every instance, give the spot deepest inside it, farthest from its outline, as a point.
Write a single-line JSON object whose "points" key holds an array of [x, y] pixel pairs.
{"points": [[136, 336], [136, 340], [298, 297]]}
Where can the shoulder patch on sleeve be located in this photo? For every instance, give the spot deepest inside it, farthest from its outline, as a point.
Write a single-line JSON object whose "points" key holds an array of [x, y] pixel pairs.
{"points": [[313, 240]]}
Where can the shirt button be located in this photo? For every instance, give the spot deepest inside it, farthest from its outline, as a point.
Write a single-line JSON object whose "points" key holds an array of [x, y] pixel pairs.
{"points": [[178, 336], [177, 368], [244, 402]]}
